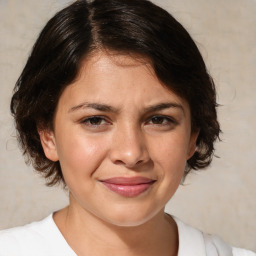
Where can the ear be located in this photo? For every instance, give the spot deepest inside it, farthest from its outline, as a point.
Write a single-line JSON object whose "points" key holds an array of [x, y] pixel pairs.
{"points": [[49, 144], [192, 144]]}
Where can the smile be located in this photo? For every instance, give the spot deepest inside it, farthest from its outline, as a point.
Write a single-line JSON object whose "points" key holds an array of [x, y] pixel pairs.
{"points": [[128, 187]]}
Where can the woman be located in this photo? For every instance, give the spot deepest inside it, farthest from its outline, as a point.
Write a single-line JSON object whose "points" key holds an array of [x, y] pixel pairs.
{"points": [[115, 102]]}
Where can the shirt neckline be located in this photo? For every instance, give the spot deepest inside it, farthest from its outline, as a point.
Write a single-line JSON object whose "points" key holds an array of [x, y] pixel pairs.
{"points": [[191, 241]]}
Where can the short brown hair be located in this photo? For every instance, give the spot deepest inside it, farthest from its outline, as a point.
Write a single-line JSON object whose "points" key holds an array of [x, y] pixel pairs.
{"points": [[125, 26]]}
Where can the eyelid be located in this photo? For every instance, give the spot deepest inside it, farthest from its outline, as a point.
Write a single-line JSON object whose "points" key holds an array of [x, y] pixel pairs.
{"points": [[87, 119], [169, 118]]}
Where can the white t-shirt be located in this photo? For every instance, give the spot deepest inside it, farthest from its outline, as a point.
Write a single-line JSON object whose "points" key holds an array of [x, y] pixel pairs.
{"points": [[43, 238]]}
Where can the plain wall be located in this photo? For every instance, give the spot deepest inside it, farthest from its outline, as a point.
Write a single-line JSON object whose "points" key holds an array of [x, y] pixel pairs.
{"points": [[219, 200]]}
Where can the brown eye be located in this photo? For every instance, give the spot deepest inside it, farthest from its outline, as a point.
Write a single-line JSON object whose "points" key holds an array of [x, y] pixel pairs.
{"points": [[158, 119], [160, 123], [94, 121]]}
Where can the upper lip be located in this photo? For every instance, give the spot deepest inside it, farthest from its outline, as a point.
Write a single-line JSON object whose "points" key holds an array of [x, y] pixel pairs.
{"points": [[128, 180]]}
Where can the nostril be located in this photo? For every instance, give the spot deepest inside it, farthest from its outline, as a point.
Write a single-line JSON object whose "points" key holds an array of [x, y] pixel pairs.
{"points": [[139, 162], [128, 164], [119, 162]]}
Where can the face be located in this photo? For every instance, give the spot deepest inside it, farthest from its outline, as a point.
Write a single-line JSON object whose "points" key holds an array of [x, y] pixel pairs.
{"points": [[122, 140]]}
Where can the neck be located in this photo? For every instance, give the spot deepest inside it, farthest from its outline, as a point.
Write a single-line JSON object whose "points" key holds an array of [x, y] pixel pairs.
{"points": [[89, 235]]}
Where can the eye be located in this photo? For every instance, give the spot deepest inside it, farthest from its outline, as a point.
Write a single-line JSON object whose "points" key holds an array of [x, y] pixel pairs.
{"points": [[160, 120], [95, 121], [161, 123]]}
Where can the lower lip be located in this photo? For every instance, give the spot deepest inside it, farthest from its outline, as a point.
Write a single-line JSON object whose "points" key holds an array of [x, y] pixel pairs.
{"points": [[128, 190]]}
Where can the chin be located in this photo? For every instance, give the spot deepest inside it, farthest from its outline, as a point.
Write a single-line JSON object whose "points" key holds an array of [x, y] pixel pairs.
{"points": [[129, 218], [129, 222]]}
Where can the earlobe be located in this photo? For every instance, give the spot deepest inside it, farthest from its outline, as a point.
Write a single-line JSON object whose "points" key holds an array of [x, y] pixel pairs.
{"points": [[192, 144], [49, 144]]}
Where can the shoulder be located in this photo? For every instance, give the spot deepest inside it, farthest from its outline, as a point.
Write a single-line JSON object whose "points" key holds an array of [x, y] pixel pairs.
{"points": [[17, 240], [38, 238], [215, 244], [242, 252], [194, 242]]}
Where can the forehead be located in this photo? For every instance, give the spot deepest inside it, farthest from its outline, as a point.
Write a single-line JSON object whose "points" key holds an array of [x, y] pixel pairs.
{"points": [[106, 60], [116, 79]]}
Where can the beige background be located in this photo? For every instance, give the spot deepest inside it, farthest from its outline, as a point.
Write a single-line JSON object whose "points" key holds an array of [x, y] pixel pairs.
{"points": [[220, 200]]}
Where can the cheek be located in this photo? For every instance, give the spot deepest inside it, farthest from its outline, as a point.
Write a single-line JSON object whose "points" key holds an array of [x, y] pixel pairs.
{"points": [[170, 157], [169, 161], [171, 149], [80, 156]]}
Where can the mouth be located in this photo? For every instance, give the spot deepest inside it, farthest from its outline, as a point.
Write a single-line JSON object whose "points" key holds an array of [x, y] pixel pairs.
{"points": [[128, 187]]}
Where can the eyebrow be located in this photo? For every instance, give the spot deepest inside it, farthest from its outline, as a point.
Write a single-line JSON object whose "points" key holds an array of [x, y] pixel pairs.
{"points": [[96, 106], [163, 106], [108, 108]]}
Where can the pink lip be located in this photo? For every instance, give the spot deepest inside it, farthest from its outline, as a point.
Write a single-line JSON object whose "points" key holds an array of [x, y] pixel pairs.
{"points": [[128, 187]]}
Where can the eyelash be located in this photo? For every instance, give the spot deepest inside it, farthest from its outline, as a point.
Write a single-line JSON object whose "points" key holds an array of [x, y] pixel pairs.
{"points": [[99, 121], [166, 120], [87, 121]]}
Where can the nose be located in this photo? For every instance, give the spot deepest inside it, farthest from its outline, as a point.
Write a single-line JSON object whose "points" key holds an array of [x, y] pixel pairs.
{"points": [[129, 147]]}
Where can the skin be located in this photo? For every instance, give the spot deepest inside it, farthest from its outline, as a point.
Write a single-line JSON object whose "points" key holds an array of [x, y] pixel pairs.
{"points": [[118, 120]]}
